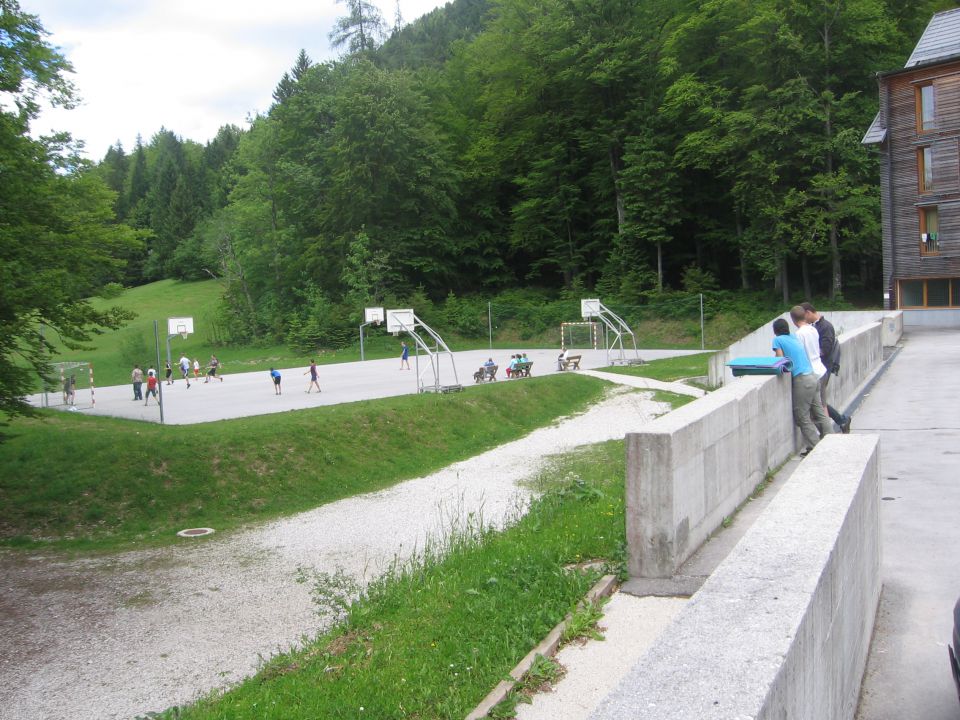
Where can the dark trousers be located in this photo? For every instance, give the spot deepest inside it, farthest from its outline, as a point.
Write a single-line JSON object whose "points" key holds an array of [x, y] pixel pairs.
{"points": [[137, 391]]}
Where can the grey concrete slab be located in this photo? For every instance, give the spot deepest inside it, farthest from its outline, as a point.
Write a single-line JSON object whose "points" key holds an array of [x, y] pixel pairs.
{"points": [[914, 409], [252, 393]]}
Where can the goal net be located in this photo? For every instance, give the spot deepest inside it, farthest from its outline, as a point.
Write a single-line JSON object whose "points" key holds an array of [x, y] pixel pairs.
{"points": [[580, 335], [69, 385]]}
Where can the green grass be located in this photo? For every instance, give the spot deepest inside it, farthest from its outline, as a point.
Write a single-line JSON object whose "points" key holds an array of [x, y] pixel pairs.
{"points": [[667, 369], [114, 352], [101, 483], [430, 639]]}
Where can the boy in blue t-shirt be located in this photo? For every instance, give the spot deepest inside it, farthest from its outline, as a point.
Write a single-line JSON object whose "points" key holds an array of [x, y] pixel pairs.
{"points": [[275, 374], [808, 411]]}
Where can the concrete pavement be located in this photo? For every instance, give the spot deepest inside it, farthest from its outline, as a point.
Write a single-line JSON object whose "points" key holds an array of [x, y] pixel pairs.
{"points": [[914, 409], [252, 393]]}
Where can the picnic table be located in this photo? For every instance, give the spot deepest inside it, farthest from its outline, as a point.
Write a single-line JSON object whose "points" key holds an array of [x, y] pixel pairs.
{"points": [[572, 362], [522, 369], [486, 373]]}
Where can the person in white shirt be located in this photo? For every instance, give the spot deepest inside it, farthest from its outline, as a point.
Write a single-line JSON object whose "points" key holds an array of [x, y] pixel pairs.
{"points": [[810, 340], [185, 368]]}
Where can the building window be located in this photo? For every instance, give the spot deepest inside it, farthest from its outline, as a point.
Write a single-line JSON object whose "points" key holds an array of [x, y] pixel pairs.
{"points": [[926, 108], [911, 293], [925, 168], [938, 293], [929, 230], [934, 293]]}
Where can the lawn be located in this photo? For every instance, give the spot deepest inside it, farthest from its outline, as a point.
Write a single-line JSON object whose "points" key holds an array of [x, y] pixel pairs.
{"points": [[114, 353], [100, 483], [432, 638], [667, 369]]}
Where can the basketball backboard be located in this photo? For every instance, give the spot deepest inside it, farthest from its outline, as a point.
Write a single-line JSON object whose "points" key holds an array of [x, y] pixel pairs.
{"points": [[400, 320], [589, 308], [182, 326], [373, 315]]}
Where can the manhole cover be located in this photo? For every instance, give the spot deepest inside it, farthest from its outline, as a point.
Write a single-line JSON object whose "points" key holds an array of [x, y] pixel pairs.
{"points": [[196, 532]]}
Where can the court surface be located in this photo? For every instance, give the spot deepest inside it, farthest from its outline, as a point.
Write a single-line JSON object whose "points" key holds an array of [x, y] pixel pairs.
{"points": [[252, 393]]}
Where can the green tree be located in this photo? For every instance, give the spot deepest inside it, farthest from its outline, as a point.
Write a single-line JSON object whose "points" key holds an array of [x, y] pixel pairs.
{"points": [[361, 30], [58, 240]]}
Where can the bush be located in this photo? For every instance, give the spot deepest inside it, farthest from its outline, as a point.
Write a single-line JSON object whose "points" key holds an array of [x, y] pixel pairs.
{"points": [[111, 290]]}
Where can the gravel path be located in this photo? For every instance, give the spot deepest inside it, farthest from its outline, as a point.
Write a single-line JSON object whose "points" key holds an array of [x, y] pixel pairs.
{"points": [[123, 635]]}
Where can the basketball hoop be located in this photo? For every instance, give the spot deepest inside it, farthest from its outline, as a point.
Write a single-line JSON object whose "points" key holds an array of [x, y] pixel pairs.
{"points": [[182, 329]]}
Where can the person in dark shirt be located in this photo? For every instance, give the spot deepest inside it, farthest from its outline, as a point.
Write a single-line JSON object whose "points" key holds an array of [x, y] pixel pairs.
{"points": [[808, 413], [830, 355]]}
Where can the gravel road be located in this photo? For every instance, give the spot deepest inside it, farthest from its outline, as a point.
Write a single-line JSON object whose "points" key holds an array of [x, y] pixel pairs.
{"points": [[122, 635]]}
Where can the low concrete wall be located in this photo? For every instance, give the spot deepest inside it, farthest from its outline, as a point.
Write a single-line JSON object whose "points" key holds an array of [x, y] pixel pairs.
{"points": [[759, 342], [932, 317], [782, 628], [692, 467]]}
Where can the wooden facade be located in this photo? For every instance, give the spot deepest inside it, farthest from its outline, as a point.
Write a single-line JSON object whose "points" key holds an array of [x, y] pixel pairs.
{"points": [[918, 134]]}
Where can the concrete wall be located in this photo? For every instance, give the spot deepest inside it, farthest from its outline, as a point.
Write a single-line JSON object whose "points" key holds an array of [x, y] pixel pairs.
{"points": [[692, 467], [940, 317], [782, 628], [758, 343], [861, 351]]}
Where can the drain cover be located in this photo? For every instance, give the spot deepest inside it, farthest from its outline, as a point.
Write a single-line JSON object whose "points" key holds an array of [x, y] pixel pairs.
{"points": [[196, 532]]}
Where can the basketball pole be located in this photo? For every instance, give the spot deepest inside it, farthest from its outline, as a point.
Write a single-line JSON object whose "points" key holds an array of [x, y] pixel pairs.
{"points": [[156, 340]]}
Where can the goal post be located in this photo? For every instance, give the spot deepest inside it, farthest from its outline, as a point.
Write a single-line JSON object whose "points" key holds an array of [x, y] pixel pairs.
{"points": [[69, 385], [580, 334]]}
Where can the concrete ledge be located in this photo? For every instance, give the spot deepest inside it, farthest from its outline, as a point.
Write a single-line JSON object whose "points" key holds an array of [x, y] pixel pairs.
{"points": [[782, 628], [758, 342], [692, 467]]}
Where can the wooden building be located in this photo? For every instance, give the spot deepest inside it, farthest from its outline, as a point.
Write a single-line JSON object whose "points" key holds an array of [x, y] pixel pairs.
{"points": [[917, 132]]}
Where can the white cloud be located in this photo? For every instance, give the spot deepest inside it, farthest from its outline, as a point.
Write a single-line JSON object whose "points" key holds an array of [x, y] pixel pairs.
{"points": [[190, 66]]}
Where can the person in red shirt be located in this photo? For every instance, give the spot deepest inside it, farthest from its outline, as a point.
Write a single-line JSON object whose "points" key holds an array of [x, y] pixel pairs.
{"points": [[151, 386]]}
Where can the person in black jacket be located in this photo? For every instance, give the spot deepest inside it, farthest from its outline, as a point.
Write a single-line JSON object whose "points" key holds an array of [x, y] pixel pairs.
{"points": [[830, 356]]}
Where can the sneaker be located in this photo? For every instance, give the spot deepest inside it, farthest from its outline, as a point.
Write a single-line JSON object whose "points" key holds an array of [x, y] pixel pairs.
{"points": [[806, 452], [845, 425]]}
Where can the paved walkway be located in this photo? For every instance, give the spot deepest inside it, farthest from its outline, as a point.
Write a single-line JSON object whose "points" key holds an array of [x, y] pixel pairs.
{"points": [[914, 409]]}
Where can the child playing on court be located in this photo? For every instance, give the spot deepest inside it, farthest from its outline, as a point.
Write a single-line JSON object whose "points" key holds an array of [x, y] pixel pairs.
{"points": [[275, 374]]}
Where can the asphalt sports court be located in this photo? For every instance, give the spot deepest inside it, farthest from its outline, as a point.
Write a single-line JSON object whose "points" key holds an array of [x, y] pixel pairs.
{"points": [[251, 393]]}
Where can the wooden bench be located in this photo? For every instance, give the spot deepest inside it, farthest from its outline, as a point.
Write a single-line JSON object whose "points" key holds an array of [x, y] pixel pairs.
{"points": [[485, 374], [571, 363], [522, 369]]}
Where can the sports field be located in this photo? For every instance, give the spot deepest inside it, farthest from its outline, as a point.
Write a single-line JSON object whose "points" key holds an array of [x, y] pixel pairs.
{"points": [[252, 393]]}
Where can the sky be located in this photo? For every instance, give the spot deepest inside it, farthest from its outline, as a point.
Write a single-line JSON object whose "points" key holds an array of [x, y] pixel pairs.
{"points": [[190, 66]]}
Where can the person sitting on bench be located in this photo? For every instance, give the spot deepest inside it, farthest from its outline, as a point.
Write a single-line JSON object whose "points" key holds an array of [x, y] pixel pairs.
{"points": [[562, 360]]}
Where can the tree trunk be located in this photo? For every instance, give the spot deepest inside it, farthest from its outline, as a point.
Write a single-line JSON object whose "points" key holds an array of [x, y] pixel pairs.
{"points": [[616, 165], [805, 270], [782, 273], [744, 276], [836, 281], [228, 257], [659, 266]]}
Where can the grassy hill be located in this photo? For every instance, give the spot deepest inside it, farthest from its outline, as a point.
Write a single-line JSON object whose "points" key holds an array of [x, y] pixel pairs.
{"points": [[114, 353], [93, 482]]}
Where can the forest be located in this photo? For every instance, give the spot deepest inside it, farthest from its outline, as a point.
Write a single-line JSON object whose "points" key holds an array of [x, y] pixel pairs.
{"points": [[628, 149]]}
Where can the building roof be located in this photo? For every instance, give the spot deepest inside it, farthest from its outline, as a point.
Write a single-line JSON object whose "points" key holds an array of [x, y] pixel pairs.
{"points": [[876, 133], [940, 41]]}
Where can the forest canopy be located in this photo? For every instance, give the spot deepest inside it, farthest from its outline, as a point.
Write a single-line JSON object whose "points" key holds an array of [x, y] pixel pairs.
{"points": [[618, 147]]}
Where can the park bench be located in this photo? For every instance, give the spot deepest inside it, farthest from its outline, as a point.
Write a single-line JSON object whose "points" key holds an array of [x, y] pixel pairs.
{"points": [[571, 363], [522, 369], [485, 373]]}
